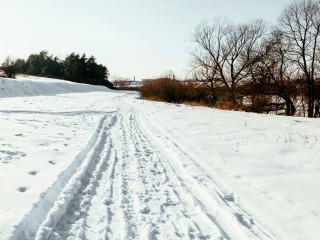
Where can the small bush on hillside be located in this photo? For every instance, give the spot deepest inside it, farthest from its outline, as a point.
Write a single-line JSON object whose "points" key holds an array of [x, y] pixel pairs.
{"points": [[162, 89], [9, 67]]}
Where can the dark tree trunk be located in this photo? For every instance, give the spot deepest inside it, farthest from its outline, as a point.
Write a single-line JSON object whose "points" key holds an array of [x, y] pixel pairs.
{"points": [[290, 108], [310, 99]]}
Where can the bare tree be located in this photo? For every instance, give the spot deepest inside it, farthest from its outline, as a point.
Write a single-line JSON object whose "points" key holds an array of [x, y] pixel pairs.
{"points": [[206, 75], [300, 23], [169, 74], [9, 67], [274, 74], [226, 52]]}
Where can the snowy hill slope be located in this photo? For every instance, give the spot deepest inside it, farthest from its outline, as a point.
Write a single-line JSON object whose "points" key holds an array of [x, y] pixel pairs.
{"points": [[35, 86], [85, 162]]}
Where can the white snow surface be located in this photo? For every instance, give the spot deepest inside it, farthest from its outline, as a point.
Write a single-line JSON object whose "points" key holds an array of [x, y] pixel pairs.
{"points": [[85, 162]]}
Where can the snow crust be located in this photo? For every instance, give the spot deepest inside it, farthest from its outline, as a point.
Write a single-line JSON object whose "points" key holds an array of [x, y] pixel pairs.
{"points": [[85, 162]]}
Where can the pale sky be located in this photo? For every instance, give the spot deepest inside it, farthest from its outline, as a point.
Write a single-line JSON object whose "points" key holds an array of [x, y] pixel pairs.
{"points": [[141, 38]]}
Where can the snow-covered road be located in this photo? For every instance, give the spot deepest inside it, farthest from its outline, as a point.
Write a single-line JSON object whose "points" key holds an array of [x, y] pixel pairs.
{"points": [[91, 164], [131, 191]]}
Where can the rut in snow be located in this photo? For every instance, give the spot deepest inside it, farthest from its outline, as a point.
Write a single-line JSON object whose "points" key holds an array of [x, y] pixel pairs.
{"points": [[133, 189]]}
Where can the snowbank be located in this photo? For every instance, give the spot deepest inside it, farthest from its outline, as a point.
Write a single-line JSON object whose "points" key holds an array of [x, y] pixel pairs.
{"points": [[35, 86]]}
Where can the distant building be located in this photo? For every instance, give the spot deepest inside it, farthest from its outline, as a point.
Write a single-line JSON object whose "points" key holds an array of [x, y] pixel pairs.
{"points": [[127, 84]]}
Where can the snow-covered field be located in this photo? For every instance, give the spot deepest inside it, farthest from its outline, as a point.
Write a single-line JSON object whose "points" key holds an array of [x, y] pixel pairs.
{"points": [[85, 162]]}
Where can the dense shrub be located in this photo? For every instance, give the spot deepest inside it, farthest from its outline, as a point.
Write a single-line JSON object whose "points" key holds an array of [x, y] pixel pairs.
{"points": [[174, 91]]}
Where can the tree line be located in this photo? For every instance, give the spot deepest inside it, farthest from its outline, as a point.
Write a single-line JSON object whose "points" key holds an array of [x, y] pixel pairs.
{"points": [[260, 68], [75, 68]]}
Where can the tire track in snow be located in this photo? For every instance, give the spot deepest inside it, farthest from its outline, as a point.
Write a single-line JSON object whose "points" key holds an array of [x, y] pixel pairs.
{"points": [[66, 181], [125, 174], [160, 211], [99, 216], [71, 206]]}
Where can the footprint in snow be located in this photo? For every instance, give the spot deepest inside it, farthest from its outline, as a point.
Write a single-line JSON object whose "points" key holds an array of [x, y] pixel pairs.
{"points": [[33, 173], [52, 162], [145, 210], [108, 201], [229, 197], [22, 189]]}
